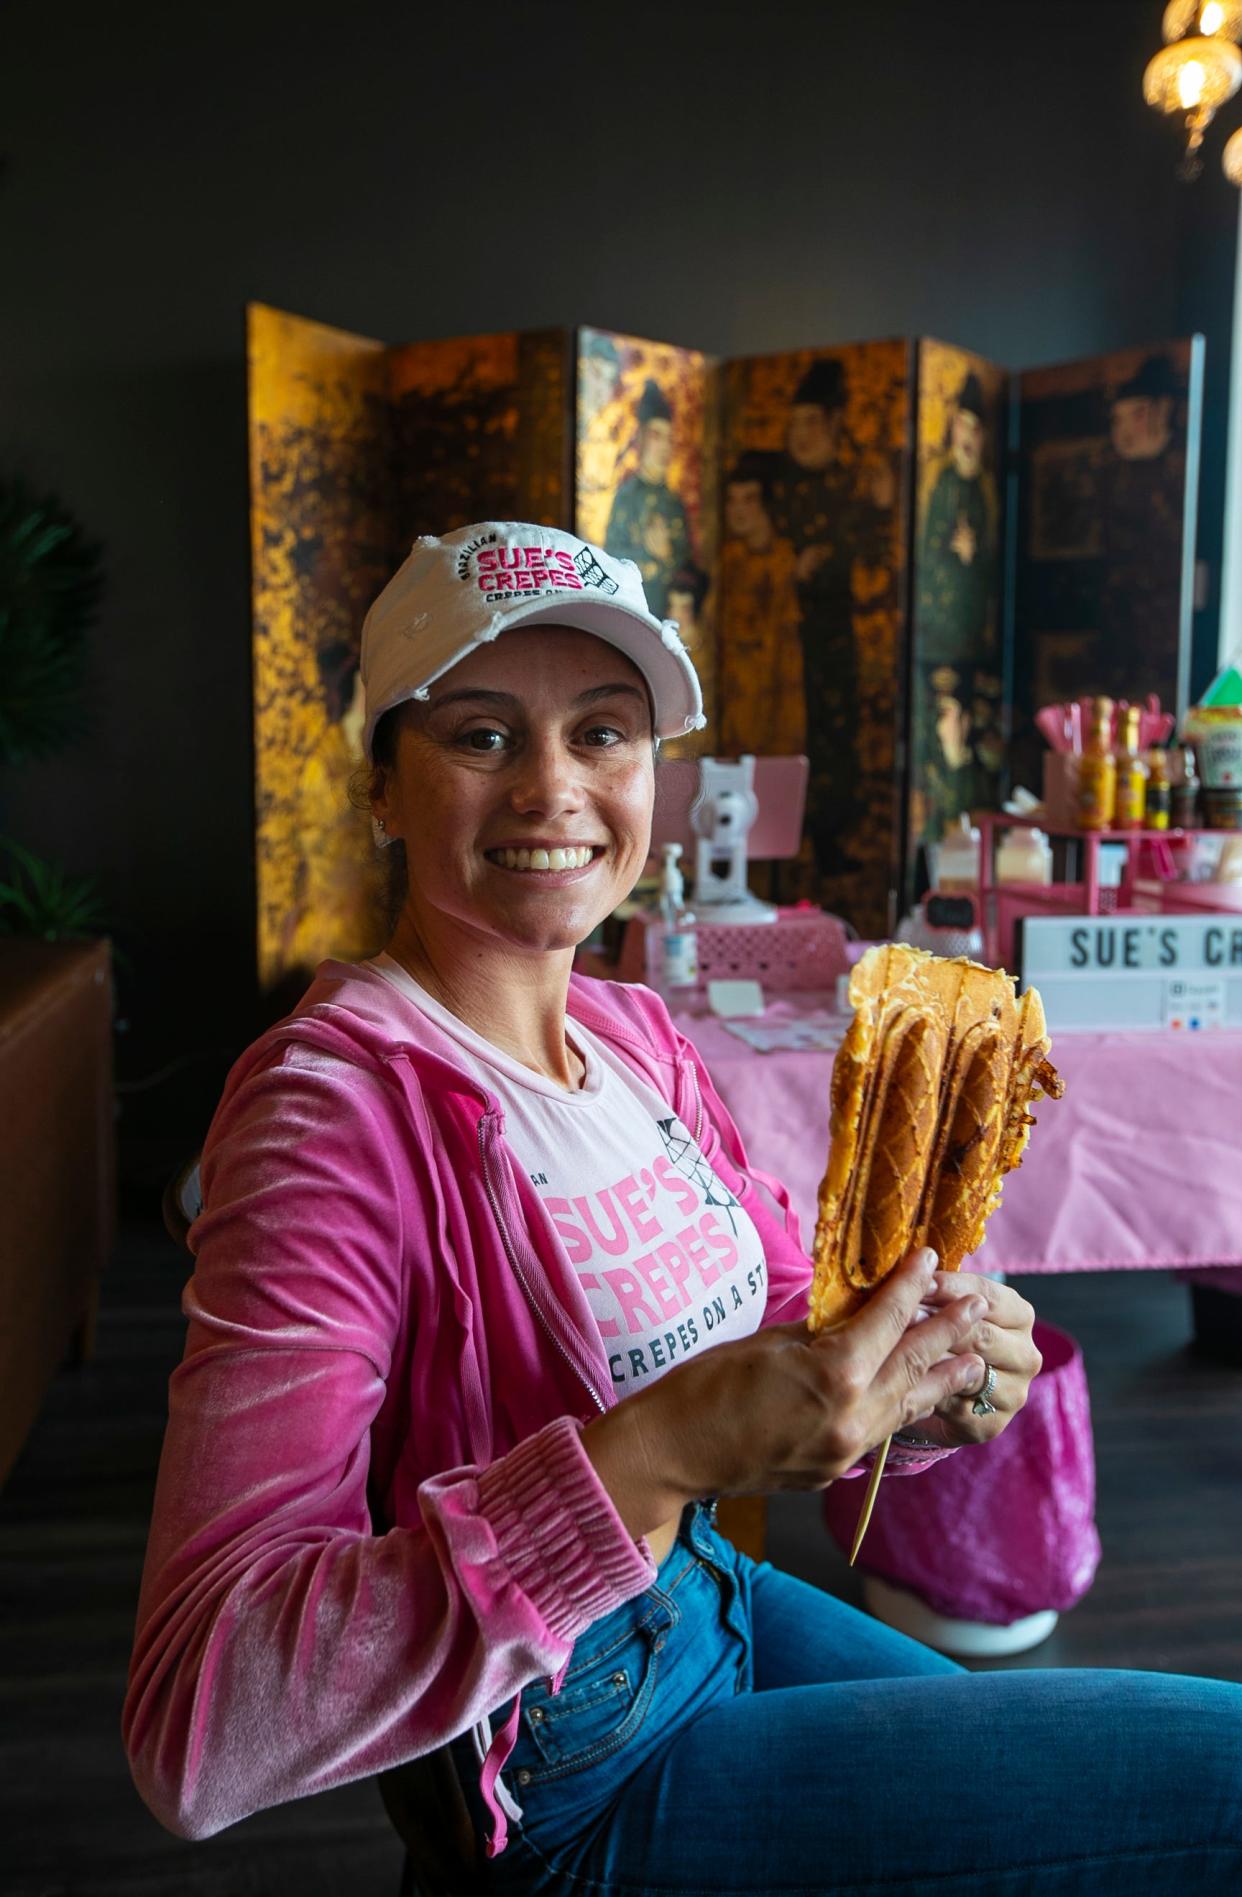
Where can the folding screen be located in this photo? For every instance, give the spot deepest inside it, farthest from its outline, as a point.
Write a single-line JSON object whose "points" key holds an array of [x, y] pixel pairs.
{"points": [[826, 525]]}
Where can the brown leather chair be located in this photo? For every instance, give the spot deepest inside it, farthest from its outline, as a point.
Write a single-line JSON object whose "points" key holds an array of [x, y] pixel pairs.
{"points": [[58, 1205]]}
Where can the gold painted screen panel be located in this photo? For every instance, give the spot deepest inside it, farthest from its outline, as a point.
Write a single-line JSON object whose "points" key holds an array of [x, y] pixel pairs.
{"points": [[957, 737], [646, 485], [814, 451], [357, 447], [482, 429], [321, 543]]}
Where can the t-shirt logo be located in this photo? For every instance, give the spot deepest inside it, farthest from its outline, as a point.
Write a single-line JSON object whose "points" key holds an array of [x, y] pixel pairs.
{"points": [[666, 1255]]}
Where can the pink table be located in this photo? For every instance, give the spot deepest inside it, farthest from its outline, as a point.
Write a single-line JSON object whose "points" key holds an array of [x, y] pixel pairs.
{"points": [[1138, 1167]]}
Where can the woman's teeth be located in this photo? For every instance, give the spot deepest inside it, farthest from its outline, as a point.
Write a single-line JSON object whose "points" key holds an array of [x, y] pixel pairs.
{"points": [[542, 859]]}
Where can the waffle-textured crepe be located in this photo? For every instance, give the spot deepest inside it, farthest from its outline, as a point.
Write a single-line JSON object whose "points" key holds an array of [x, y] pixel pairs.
{"points": [[930, 1108]]}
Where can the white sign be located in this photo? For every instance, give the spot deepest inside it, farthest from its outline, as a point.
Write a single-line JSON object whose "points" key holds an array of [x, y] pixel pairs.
{"points": [[1131, 971]]}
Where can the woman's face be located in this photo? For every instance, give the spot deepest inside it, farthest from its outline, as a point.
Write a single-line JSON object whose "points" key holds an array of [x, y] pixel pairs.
{"points": [[539, 741]]}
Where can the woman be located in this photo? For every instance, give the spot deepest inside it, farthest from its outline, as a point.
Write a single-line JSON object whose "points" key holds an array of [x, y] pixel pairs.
{"points": [[487, 1301]]}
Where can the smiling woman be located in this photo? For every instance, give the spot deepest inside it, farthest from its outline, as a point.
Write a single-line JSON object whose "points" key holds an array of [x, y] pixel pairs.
{"points": [[523, 797], [488, 1303]]}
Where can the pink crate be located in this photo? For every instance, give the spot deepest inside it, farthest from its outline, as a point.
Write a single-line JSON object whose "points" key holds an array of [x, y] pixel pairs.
{"points": [[1186, 899], [797, 951]]}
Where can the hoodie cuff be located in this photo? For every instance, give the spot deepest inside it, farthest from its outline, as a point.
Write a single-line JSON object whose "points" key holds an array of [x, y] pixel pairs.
{"points": [[558, 1533]]}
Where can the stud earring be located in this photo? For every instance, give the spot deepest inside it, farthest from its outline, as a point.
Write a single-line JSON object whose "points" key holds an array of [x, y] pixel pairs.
{"points": [[379, 834]]}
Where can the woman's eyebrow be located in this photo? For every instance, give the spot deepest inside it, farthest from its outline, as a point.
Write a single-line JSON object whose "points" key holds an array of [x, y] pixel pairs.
{"points": [[609, 691], [472, 691]]}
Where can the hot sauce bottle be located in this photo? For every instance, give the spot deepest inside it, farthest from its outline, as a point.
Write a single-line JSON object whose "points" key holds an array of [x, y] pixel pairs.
{"points": [[1159, 801], [1097, 771], [1131, 792]]}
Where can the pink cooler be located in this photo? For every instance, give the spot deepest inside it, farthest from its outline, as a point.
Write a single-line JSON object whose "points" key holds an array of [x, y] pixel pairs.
{"points": [[981, 1552]]}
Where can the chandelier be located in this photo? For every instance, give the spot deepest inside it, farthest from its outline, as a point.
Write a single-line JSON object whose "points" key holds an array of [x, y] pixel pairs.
{"points": [[1214, 18], [1197, 70]]}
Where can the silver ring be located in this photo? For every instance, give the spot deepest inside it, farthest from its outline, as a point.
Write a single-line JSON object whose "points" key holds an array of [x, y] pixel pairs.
{"points": [[983, 1405]]}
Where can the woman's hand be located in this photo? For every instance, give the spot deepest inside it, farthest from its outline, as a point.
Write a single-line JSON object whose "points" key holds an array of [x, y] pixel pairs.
{"points": [[785, 1410], [1003, 1339]]}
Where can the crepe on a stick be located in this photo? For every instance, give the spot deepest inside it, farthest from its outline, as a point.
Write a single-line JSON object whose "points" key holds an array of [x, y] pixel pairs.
{"points": [[930, 1108]]}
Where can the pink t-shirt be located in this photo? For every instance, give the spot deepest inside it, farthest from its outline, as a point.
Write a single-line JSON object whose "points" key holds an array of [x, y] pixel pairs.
{"points": [[667, 1257]]}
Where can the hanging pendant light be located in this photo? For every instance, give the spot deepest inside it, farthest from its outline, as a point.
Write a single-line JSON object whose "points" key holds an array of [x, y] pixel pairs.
{"points": [[1222, 18], [1194, 77]]}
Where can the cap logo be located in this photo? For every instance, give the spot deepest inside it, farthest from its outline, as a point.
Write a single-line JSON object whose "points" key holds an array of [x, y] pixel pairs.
{"points": [[505, 573], [593, 573], [472, 546]]}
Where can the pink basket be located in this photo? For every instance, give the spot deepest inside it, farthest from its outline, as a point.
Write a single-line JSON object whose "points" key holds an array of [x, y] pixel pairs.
{"points": [[800, 950], [998, 1532]]}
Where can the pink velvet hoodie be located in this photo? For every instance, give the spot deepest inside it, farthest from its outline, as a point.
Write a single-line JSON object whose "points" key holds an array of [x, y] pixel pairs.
{"points": [[374, 1520]]}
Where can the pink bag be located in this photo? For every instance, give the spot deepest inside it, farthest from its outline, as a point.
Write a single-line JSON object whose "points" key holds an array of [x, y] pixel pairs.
{"points": [[997, 1531]]}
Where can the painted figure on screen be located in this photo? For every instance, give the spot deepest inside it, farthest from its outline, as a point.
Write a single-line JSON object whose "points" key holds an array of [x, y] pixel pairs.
{"points": [[811, 601], [761, 684], [1142, 503], [1103, 601], [957, 743], [645, 483], [648, 521], [831, 521], [687, 593], [957, 567]]}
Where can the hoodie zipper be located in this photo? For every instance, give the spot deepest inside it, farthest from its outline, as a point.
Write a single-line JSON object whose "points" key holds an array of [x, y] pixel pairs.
{"points": [[493, 1197], [698, 1106]]}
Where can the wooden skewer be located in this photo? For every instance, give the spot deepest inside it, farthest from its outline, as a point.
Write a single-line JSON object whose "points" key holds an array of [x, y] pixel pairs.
{"points": [[864, 1513]]}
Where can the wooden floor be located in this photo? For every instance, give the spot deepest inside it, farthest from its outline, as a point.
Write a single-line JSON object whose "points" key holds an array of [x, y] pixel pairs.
{"points": [[72, 1529]]}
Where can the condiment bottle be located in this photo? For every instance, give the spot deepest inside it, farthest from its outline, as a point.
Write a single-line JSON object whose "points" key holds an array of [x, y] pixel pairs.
{"points": [[957, 865], [1131, 793], [1184, 813], [1097, 771], [1159, 801]]}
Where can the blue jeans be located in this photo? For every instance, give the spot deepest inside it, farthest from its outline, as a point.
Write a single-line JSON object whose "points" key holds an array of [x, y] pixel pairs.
{"points": [[733, 1729]]}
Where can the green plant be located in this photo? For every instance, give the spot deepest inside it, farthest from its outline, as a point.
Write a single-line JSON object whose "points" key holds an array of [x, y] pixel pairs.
{"points": [[39, 898], [50, 581]]}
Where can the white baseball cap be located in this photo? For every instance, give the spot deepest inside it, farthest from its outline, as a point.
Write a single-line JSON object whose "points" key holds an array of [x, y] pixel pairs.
{"points": [[462, 591]]}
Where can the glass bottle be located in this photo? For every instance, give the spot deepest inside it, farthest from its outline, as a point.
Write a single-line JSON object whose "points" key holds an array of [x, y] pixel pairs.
{"points": [[1131, 792], [1097, 771], [1159, 801], [1185, 802]]}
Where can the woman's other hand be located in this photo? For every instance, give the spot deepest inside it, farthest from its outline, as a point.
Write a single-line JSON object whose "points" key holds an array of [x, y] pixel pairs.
{"points": [[785, 1410], [1003, 1338]]}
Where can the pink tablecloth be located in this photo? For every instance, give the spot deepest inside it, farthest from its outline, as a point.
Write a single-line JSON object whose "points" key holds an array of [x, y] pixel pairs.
{"points": [[1140, 1165]]}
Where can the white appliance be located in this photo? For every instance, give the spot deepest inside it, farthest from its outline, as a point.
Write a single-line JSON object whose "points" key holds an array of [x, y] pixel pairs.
{"points": [[722, 817]]}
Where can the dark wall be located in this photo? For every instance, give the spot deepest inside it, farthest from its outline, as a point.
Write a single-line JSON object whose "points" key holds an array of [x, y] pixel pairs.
{"points": [[743, 177]]}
